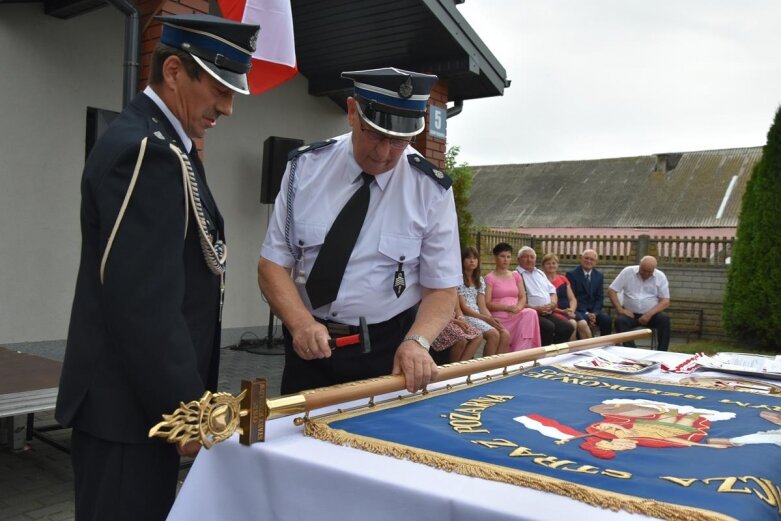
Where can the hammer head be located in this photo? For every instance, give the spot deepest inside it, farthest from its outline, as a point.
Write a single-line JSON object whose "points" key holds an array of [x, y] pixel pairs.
{"points": [[366, 342]]}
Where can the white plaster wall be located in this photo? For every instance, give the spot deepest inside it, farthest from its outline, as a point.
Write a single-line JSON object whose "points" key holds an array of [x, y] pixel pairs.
{"points": [[50, 71]]}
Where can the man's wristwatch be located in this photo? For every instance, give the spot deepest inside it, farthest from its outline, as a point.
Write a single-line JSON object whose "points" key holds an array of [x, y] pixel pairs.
{"points": [[421, 340]]}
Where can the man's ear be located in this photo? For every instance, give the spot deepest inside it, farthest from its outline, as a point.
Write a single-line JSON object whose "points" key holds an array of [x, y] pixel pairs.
{"points": [[172, 68], [352, 112]]}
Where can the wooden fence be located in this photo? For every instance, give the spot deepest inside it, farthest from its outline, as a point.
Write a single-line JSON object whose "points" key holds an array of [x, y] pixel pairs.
{"points": [[715, 251]]}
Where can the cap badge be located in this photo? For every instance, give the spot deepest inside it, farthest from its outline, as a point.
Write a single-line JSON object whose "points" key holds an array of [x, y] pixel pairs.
{"points": [[253, 42], [405, 89]]}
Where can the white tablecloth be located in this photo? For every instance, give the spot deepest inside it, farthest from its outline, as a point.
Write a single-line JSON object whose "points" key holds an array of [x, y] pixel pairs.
{"points": [[295, 477]]}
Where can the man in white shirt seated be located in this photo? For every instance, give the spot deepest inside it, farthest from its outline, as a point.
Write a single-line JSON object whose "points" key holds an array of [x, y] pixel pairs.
{"points": [[646, 294], [541, 297]]}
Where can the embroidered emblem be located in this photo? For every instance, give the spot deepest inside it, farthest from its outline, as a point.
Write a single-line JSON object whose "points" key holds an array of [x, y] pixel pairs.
{"points": [[438, 174], [399, 281], [253, 42], [405, 89]]}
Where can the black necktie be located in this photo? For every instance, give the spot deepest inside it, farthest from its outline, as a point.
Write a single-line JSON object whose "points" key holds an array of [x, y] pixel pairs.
{"points": [[323, 283], [588, 280]]}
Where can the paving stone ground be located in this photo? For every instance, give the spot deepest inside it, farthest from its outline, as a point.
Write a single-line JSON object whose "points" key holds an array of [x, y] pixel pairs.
{"points": [[36, 484]]}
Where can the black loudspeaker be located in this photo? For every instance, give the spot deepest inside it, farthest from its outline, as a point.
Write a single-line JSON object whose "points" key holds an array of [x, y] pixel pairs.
{"points": [[98, 121], [275, 151]]}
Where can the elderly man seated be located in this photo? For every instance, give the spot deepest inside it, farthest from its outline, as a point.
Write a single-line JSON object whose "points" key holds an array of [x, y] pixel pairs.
{"points": [[541, 297], [587, 282], [646, 294]]}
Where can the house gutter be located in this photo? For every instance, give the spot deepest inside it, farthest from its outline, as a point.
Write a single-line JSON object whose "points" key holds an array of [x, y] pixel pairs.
{"points": [[456, 109], [131, 64]]}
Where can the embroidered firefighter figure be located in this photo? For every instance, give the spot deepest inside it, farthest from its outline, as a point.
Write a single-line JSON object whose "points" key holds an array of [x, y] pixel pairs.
{"points": [[630, 423]]}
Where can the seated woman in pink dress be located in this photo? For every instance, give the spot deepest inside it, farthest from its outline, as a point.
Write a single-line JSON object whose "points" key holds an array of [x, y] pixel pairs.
{"points": [[505, 297], [471, 296]]}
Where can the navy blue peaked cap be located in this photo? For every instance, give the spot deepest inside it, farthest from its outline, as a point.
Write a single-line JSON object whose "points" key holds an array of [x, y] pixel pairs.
{"points": [[223, 48], [392, 101]]}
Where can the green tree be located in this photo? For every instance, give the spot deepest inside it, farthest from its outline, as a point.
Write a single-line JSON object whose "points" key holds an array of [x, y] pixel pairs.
{"points": [[752, 303], [462, 187]]}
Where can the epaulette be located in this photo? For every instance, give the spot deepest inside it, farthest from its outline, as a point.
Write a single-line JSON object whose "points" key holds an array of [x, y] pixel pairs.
{"points": [[430, 170], [308, 148], [157, 130]]}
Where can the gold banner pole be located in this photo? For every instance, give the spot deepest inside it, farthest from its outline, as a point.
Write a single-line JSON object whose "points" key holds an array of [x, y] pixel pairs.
{"points": [[215, 417]]}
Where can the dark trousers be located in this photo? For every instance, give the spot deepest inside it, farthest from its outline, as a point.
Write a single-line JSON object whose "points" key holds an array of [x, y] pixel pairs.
{"points": [[603, 321], [123, 481], [660, 322], [554, 329], [348, 363]]}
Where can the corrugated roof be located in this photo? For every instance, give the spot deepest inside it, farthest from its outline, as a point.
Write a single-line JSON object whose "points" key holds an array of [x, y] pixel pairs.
{"points": [[675, 190]]}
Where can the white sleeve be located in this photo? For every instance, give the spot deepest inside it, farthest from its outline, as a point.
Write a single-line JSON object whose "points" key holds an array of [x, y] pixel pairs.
{"points": [[618, 284], [440, 258], [274, 246]]}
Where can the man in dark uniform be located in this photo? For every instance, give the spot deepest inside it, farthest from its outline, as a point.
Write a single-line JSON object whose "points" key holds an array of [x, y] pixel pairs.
{"points": [[145, 324], [401, 265]]}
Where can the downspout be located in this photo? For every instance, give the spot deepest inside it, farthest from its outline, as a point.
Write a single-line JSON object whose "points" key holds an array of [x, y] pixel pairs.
{"points": [[130, 76], [456, 109]]}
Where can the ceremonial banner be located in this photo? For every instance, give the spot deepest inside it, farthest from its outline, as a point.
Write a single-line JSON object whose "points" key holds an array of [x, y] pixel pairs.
{"points": [[274, 60], [664, 450]]}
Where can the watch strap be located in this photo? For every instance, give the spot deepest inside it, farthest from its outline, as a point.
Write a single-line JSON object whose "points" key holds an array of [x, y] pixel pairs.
{"points": [[420, 340]]}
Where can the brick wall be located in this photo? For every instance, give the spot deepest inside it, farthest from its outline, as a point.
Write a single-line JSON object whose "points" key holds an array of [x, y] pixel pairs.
{"points": [[430, 147], [151, 29]]}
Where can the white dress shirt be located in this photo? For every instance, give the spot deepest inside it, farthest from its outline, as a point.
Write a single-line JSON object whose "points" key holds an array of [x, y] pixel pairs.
{"points": [[411, 220], [640, 295], [538, 287]]}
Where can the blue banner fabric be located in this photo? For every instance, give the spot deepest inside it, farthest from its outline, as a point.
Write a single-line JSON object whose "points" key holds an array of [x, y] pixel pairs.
{"points": [[661, 449]]}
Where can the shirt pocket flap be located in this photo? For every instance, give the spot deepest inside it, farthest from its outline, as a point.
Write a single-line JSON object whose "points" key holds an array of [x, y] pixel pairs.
{"points": [[400, 248], [308, 235]]}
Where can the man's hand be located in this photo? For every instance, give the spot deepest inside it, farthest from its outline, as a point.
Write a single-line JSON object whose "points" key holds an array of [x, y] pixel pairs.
{"points": [[645, 319], [592, 319], [415, 364], [626, 313], [543, 310], [310, 341], [190, 449]]}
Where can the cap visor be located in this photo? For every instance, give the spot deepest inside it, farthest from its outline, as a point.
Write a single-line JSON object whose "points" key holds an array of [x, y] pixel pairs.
{"points": [[232, 80], [392, 124]]}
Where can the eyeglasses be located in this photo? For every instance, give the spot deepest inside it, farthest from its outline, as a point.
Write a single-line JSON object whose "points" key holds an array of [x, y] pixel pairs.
{"points": [[376, 138]]}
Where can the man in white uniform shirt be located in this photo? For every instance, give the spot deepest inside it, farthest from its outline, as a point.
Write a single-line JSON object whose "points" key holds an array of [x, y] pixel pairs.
{"points": [[401, 272], [541, 297], [646, 294]]}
